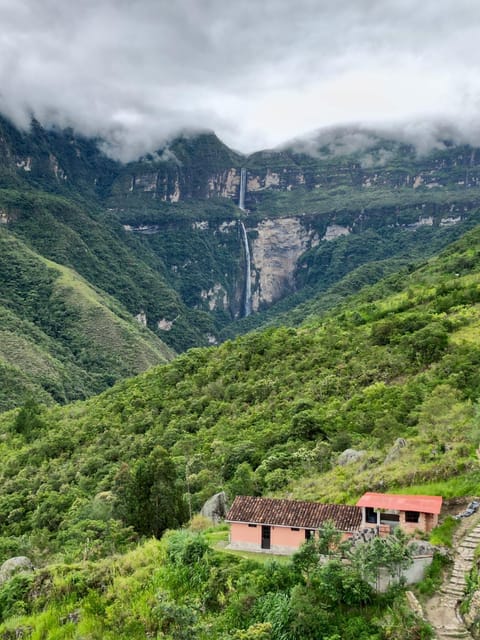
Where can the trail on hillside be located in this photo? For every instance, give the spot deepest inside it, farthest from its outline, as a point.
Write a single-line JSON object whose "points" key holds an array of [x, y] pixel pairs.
{"points": [[442, 610]]}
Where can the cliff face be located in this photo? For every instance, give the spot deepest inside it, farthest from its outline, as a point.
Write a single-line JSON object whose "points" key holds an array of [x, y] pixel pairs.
{"points": [[276, 247], [295, 203], [309, 218], [173, 180]]}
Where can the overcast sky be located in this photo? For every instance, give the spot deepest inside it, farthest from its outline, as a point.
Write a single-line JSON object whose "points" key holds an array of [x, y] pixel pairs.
{"points": [[257, 72]]}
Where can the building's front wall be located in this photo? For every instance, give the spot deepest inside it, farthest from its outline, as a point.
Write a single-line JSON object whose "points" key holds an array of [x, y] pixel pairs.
{"points": [[432, 521], [283, 540], [426, 522], [287, 537], [243, 533]]}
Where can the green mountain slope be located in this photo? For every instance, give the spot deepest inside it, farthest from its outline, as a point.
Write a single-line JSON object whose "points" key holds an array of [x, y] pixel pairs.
{"points": [[271, 411], [60, 338], [391, 370], [181, 588], [78, 235]]}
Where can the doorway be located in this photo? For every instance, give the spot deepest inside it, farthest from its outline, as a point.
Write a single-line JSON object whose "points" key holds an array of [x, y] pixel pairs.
{"points": [[266, 536]]}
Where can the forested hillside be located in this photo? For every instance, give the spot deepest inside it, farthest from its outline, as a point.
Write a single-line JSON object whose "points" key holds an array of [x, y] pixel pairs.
{"points": [[268, 412], [239, 320], [62, 339], [163, 235]]}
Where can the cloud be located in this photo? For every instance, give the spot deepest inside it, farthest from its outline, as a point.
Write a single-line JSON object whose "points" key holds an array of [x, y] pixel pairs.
{"points": [[257, 73], [373, 143]]}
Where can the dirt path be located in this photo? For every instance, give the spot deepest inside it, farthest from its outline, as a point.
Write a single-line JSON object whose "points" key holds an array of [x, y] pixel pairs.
{"points": [[442, 610]]}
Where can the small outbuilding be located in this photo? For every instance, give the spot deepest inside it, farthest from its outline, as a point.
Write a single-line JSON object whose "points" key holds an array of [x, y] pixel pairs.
{"points": [[281, 526], [386, 511]]}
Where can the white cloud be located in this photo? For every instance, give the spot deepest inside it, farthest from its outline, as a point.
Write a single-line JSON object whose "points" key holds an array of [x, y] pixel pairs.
{"points": [[257, 73]]}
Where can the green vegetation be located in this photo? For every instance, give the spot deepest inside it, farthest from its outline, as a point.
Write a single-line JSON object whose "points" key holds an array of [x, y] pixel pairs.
{"points": [[180, 588], [468, 607], [69, 202], [443, 534], [268, 413], [79, 235], [386, 361], [61, 339]]}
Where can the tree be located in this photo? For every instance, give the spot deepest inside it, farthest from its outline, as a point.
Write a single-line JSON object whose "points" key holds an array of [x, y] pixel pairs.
{"points": [[243, 482], [328, 538], [309, 557], [391, 553], [150, 497], [258, 631], [29, 419]]}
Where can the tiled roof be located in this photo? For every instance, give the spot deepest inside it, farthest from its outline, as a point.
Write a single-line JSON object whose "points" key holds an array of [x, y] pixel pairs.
{"points": [[422, 504], [293, 513]]}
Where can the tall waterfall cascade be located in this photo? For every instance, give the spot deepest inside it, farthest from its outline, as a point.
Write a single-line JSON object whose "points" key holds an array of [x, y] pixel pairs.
{"points": [[243, 188], [247, 305]]}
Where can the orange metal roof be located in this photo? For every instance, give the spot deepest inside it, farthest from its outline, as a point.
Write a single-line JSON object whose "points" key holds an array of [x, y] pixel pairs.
{"points": [[423, 504]]}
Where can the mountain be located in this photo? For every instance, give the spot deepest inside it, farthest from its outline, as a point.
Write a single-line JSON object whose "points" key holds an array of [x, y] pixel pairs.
{"points": [[163, 236], [61, 338], [311, 218], [371, 384]]}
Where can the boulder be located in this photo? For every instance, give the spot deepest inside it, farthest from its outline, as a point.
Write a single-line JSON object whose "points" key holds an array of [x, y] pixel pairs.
{"points": [[395, 451], [19, 564], [349, 456], [215, 508]]}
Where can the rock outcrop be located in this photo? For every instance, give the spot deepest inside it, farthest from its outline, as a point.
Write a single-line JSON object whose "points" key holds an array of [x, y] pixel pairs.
{"points": [[349, 456], [275, 251], [18, 564], [396, 450], [215, 508]]}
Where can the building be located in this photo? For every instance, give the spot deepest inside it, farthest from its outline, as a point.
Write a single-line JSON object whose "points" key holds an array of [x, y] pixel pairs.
{"points": [[385, 511], [281, 526]]}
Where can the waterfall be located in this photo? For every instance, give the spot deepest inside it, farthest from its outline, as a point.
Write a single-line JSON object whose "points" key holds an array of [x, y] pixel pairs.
{"points": [[247, 304], [243, 188], [247, 307]]}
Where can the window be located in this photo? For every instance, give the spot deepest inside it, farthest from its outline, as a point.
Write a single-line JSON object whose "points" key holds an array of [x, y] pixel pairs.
{"points": [[371, 515], [412, 516], [309, 533], [389, 517], [294, 529], [252, 525]]}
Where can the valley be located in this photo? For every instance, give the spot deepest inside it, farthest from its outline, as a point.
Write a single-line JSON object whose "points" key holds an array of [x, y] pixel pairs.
{"points": [[161, 344]]}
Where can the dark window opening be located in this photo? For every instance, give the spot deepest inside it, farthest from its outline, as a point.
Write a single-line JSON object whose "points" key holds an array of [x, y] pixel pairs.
{"points": [[252, 525], [371, 515], [309, 533], [294, 529], [412, 516], [389, 517]]}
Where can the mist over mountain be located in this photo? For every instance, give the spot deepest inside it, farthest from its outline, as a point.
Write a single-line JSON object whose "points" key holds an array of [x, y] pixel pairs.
{"points": [[424, 136], [165, 236], [137, 74]]}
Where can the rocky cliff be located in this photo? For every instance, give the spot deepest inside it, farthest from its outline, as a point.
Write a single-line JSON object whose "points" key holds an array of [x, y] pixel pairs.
{"points": [[277, 245], [309, 217]]}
